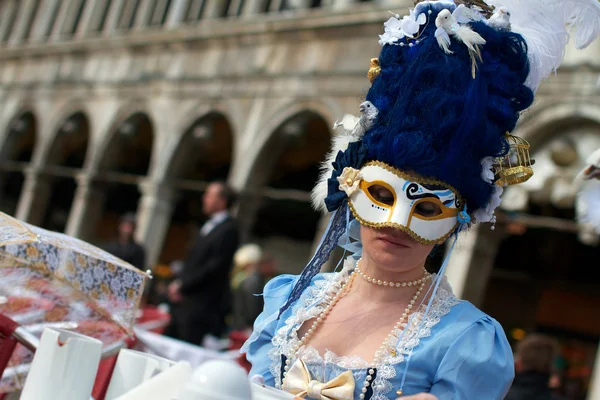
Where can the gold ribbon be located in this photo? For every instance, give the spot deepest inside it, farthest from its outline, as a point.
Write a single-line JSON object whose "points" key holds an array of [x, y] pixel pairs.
{"points": [[299, 383]]}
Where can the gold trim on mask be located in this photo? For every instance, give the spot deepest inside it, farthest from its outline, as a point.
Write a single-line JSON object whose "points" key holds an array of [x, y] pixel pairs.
{"points": [[404, 229], [365, 185], [414, 177], [447, 212]]}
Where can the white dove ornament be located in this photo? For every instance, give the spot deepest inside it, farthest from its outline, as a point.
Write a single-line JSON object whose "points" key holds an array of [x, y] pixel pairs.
{"points": [[500, 19], [356, 126], [448, 25]]}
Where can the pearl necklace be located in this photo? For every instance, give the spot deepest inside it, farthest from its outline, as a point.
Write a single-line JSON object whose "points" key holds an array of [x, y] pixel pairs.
{"points": [[416, 282], [379, 354]]}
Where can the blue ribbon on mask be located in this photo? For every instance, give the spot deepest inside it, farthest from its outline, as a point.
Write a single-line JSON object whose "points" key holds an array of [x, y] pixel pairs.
{"points": [[464, 217], [329, 241], [350, 239]]}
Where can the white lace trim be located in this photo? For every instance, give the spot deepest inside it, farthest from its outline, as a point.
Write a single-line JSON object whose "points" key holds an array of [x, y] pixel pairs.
{"points": [[318, 297]]}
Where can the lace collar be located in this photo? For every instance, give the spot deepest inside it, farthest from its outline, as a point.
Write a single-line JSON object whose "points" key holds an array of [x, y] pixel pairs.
{"points": [[318, 297]]}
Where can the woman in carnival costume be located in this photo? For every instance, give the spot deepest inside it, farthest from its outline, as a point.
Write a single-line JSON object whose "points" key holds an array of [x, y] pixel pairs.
{"points": [[427, 158]]}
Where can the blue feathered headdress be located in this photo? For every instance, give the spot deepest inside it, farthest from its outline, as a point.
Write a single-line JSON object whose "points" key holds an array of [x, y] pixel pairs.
{"points": [[435, 117]]}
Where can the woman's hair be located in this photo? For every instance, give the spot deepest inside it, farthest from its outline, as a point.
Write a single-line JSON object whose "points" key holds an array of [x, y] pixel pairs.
{"points": [[436, 119]]}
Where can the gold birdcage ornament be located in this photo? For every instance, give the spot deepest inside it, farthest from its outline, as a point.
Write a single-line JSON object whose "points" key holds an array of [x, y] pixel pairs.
{"points": [[515, 166]]}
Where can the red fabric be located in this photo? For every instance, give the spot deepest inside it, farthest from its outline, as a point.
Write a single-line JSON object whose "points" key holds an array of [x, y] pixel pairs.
{"points": [[7, 326], [103, 376], [238, 338], [152, 316], [7, 343], [7, 346]]}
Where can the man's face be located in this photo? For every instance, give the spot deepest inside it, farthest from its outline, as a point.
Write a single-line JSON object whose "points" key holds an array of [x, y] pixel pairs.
{"points": [[212, 201], [126, 228]]}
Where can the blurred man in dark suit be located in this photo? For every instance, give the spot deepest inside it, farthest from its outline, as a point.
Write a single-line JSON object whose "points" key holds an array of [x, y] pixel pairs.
{"points": [[201, 297]]}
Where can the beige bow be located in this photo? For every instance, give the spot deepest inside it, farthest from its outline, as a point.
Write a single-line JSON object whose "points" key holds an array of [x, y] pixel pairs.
{"points": [[299, 382]]}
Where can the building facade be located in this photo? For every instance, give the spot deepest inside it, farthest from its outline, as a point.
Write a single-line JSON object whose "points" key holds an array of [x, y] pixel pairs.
{"points": [[114, 106]]}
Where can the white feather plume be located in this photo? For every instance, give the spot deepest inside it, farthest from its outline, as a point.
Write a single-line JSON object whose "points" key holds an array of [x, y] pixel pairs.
{"points": [[546, 24], [319, 192]]}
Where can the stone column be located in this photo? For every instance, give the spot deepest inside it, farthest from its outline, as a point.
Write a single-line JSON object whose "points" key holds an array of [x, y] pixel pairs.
{"points": [[94, 24], [194, 9], [24, 19], [127, 13], [234, 6], [112, 17], [153, 218], [143, 14], [91, 9], [6, 15], [252, 7], [159, 12], [471, 264], [41, 25], [62, 18], [213, 8], [71, 20], [34, 197], [594, 393], [342, 4], [176, 13], [246, 212], [86, 209], [275, 5]]}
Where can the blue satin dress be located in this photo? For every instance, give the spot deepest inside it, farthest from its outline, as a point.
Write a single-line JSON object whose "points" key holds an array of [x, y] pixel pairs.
{"points": [[455, 351]]}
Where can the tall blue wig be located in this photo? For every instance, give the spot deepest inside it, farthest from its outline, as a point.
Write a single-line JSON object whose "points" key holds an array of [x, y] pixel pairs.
{"points": [[439, 121]]}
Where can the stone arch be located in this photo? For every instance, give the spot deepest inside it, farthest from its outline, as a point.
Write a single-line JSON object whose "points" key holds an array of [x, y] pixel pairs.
{"points": [[64, 158], [115, 171], [165, 165], [279, 183], [71, 137], [22, 122], [327, 110], [536, 126], [107, 137], [15, 109], [134, 131], [16, 155], [77, 109], [561, 136]]}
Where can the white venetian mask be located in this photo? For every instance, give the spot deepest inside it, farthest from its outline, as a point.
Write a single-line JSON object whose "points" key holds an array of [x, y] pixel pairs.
{"points": [[425, 209]]}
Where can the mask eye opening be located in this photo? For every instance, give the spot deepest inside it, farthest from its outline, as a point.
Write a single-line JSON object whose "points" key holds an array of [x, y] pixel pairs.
{"points": [[427, 208], [382, 194]]}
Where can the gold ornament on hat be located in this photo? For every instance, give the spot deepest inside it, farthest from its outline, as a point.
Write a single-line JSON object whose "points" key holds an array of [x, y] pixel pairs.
{"points": [[374, 69], [515, 166]]}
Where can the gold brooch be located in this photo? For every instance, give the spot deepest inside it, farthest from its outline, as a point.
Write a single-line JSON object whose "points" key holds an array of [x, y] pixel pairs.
{"points": [[374, 69]]}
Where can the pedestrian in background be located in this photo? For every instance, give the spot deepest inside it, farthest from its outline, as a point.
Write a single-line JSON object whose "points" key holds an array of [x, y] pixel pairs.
{"points": [[201, 296], [246, 283], [125, 247], [534, 361]]}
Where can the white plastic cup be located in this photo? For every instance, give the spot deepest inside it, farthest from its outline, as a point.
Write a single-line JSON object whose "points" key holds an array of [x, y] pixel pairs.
{"points": [[132, 369], [64, 366]]}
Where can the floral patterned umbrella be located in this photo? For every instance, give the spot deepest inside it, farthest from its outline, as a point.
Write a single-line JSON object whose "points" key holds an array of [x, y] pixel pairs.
{"points": [[51, 279]]}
